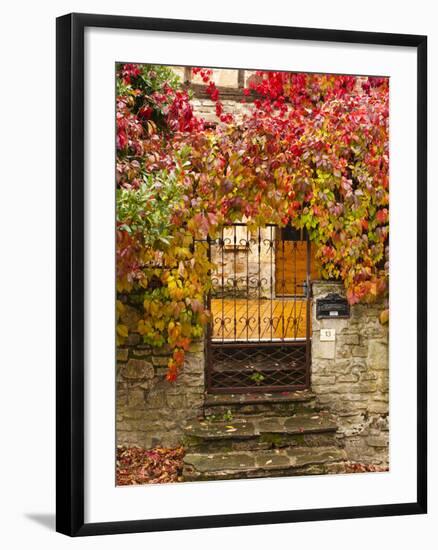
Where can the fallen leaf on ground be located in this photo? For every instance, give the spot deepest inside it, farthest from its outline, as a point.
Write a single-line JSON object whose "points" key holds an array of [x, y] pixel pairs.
{"points": [[359, 467], [137, 466]]}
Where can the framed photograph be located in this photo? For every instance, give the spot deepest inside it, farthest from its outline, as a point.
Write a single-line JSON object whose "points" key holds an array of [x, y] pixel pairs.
{"points": [[241, 274]]}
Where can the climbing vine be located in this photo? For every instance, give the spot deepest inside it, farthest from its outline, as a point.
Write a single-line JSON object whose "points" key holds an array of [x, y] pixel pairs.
{"points": [[311, 151]]}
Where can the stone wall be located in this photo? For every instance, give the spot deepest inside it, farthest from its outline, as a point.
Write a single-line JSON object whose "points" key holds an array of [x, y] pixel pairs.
{"points": [[150, 410], [230, 83], [350, 377], [206, 108]]}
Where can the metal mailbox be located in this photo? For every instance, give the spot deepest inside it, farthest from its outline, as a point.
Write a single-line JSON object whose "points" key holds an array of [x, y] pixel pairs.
{"points": [[333, 306]]}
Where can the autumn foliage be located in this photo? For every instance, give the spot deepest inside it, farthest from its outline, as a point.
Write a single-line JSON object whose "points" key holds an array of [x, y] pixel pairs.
{"points": [[312, 152], [137, 466]]}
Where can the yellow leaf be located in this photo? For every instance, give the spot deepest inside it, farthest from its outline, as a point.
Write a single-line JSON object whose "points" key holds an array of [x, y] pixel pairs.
{"points": [[384, 317], [122, 330], [120, 308]]}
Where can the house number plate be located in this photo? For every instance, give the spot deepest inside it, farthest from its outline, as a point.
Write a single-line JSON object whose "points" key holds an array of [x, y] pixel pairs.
{"points": [[327, 335]]}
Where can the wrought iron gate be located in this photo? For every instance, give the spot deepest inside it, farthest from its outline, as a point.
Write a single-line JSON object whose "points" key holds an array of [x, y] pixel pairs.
{"points": [[259, 335]]}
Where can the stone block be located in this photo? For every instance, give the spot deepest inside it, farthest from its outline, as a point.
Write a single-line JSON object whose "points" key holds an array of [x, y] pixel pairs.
{"points": [[340, 325], [378, 407], [142, 353], [325, 399], [321, 288], [378, 441], [373, 329], [323, 350], [324, 390], [197, 346], [122, 354], [341, 367], [138, 369], [160, 373], [378, 355], [361, 387], [194, 400], [358, 367], [194, 364], [176, 401], [136, 398], [384, 397], [160, 360], [130, 317], [354, 397], [359, 351], [322, 366], [125, 438], [324, 380], [347, 378], [344, 352], [347, 339], [383, 384], [121, 390], [369, 376], [124, 426], [133, 339], [155, 400], [132, 413], [163, 350], [193, 381]]}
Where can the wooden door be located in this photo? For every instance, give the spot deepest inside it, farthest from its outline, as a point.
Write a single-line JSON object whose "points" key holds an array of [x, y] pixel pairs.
{"points": [[291, 251]]}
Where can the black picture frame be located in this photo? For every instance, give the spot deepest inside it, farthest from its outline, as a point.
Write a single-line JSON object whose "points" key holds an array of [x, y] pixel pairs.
{"points": [[70, 273]]}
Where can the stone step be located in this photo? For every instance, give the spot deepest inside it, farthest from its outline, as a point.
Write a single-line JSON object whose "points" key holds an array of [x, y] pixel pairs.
{"points": [[217, 405], [256, 464], [258, 432]]}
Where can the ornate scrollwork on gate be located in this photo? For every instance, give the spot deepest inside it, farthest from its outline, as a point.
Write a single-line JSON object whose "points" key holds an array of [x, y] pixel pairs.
{"points": [[260, 329]]}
